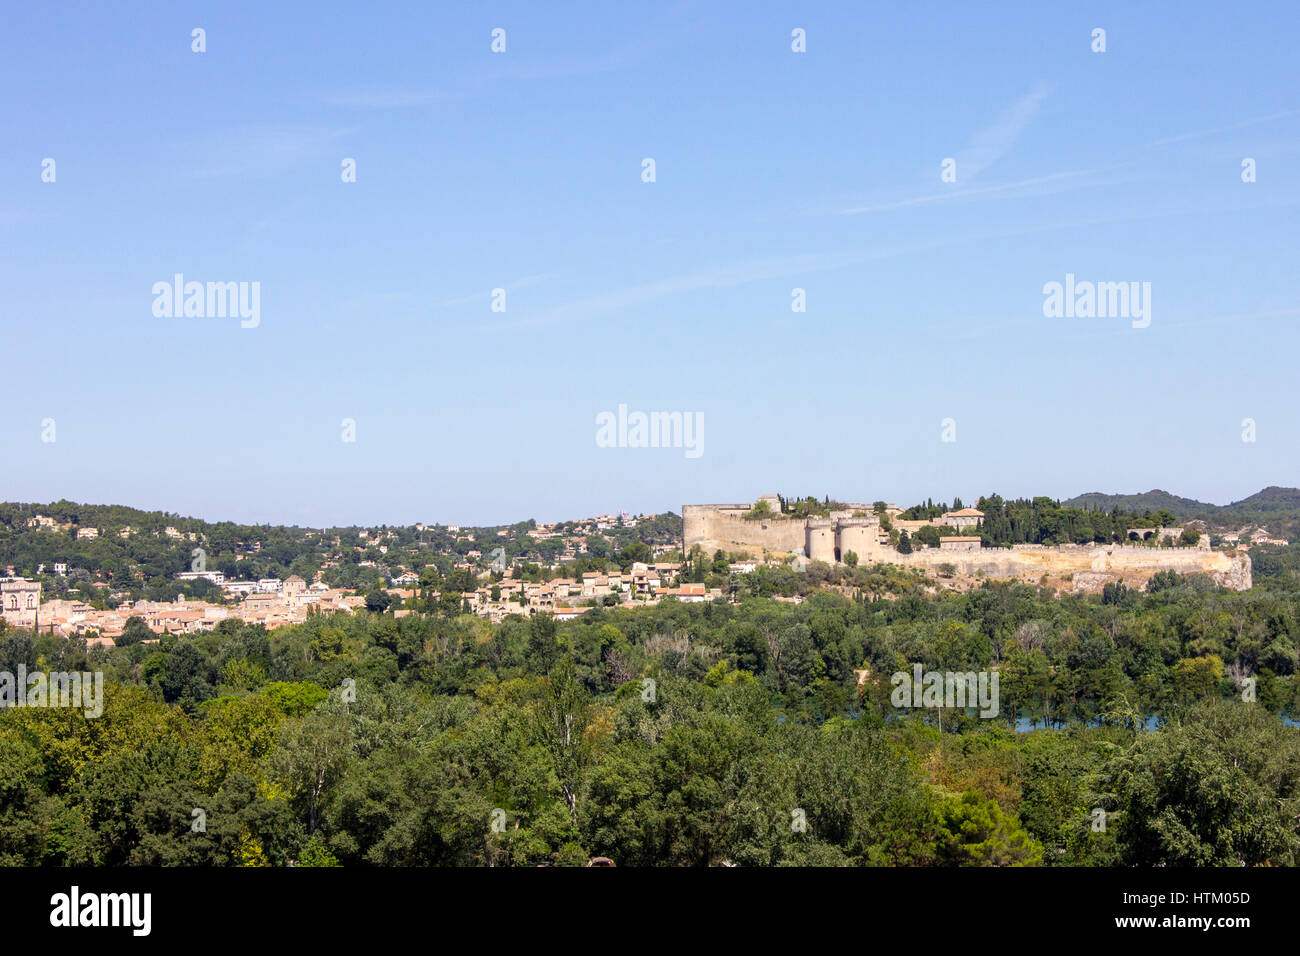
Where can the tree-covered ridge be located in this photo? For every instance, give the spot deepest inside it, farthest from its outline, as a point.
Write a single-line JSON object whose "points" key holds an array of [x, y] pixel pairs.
{"points": [[679, 735], [1044, 521], [1153, 500], [1274, 507]]}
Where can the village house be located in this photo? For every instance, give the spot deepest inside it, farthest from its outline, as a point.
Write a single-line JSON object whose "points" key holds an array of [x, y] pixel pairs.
{"points": [[216, 577], [963, 519], [58, 615], [293, 589], [1262, 536], [686, 593], [956, 520], [645, 580], [565, 587]]}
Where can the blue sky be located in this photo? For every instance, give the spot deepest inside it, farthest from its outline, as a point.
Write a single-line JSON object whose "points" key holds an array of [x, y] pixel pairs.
{"points": [[522, 170]]}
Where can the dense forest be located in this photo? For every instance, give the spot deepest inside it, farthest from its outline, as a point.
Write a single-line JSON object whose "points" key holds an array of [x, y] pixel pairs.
{"points": [[681, 735]]}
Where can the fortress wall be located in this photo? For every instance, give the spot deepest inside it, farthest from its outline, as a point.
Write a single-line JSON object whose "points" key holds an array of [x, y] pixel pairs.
{"points": [[1036, 560], [720, 527]]}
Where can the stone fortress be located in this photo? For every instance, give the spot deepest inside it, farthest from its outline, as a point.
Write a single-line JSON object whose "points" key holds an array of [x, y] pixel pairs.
{"points": [[857, 528]]}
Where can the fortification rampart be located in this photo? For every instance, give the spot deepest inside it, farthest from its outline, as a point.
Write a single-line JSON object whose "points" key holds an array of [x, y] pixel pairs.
{"points": [[722, 527], [1097, 562]]}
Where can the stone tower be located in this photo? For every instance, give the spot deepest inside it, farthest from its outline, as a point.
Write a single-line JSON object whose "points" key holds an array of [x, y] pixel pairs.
{"points": [[819, 539], [858, 535]]}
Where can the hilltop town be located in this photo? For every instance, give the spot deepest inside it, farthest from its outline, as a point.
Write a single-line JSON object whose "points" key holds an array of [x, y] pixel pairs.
{"points": [[91, 571]]}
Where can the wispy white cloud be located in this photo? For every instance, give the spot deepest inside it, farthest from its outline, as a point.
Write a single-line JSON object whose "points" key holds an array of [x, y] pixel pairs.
{"points": [[1281, 114], [260, 150], [612, 60], [613, 301], [991, 143], [1064, 177], [500, 70], [593, 307], [986, 147], [1016, 118]]}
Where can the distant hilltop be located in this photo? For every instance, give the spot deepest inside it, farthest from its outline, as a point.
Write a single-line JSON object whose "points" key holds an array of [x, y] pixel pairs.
{"points": [[1275, 508]]}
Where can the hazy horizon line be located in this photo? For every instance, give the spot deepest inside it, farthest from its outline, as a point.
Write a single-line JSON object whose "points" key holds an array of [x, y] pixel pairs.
{"points": [[506, 524]]}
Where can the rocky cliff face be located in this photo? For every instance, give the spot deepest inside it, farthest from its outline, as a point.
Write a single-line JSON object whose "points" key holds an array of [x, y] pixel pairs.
{"points": [[1238, 575]]}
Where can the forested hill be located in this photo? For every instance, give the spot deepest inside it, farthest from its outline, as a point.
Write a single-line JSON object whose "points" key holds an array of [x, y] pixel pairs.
{"points": [[1152, 500], [17, 515], [1275, 507]]}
